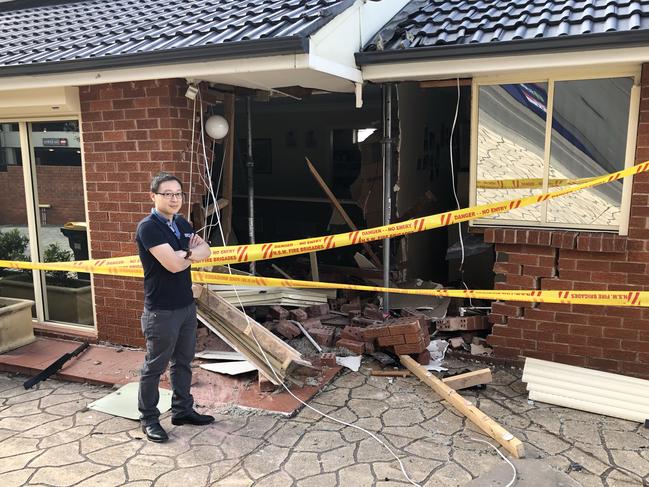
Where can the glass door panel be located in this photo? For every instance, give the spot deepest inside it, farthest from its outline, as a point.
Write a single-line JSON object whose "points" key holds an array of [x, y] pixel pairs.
{"points": [[58, 189], [14, 228]]}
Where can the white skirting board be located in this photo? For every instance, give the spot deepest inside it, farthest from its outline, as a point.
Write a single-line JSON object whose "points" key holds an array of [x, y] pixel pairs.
{"points": [[589, 390]]}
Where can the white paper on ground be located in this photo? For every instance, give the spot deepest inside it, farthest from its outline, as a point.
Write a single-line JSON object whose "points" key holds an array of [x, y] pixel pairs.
{"points": [[352, 363], [230, 368], [123, 402], [437, 349], [213, 355]]}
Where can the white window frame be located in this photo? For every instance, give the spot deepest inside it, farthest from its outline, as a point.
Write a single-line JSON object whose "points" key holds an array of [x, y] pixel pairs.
{"points": [[33, 218], [551, 78]]}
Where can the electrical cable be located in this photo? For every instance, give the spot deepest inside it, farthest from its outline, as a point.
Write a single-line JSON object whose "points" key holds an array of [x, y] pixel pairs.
{"points": [[191, 158], [457, 200], [234, 287], [513, 480]]}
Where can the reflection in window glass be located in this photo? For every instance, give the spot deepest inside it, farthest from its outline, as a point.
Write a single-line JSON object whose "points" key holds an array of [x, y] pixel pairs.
{"points": [[589, 135], [511, 141]]}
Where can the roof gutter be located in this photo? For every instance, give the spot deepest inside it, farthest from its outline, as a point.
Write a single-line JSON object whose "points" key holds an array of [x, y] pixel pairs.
{"points": [[521, 47], [231, 50]]}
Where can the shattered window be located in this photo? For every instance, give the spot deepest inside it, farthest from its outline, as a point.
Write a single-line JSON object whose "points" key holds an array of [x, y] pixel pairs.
{"points": [[588, 138]]}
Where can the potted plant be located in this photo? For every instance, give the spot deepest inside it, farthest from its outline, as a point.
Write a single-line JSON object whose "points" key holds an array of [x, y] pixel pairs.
{"points": [[69, 298]]}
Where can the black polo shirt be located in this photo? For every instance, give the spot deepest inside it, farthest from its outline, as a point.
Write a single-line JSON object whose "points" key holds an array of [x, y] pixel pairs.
{"points": [[164, 289]]}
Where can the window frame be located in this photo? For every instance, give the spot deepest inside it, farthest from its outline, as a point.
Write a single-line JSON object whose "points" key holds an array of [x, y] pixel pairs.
{"points": [[633, 72]]}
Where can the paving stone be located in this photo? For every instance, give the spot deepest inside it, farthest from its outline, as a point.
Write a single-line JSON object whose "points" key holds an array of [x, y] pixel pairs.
{"points": [[342, 414], [416, 468], [211, 436], [148, 467], [16, 478], [19, 396], [367, 408], [4, 434], [319, 441], [115, 455], [369, 392], [238, 478], [239, 446], [476, 462], [412, 432], [631, 460], [402, 417], [288, 434], [65, 436], [27, 422], [112, 477], [350, 380], [16, 462], [547, 442], [339, 458], [337, 397], [450, 475], [21, 409], [622, 440], [278, 479], [258, 426], [116, 425], [548, 419], [90, 417], [447, 423], [581, 431], [369, 450], [59, 455], [68, 408], [323, 480], [265, 461], [372, 425], [427, 448], [16, 446], [302, 464], [49, 427], [97, 441], [67, 474], [184, 476], [356, 475], [587, 461]]}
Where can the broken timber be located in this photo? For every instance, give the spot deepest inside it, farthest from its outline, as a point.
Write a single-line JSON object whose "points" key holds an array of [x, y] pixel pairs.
{"points": [[243, 333], [457, 382], [512, 444]]}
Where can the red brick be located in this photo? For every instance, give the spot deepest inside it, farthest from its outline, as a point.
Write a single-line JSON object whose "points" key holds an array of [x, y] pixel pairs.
{"points": [[317, 310], [351, 345], [298, 314], [501, 308], [423, 358], [402, 326], [413, 338], [386, 341], [287, 329], [409, 348], [323, 336], [277, 313], [352, 333]]}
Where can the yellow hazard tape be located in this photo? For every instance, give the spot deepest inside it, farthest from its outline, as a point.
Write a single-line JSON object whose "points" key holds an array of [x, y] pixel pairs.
{"points": [[529, 183], [256, 252]]}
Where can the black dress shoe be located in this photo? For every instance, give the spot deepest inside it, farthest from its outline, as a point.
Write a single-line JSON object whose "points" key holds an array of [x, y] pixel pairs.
{"points": [[154, 432], [193, 418]]}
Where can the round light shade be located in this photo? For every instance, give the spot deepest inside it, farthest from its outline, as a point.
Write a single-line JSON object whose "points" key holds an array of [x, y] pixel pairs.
{"points": [[216, 127]]}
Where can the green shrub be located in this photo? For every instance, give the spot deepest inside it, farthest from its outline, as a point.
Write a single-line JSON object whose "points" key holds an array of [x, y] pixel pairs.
{"points": [[54, 253], [13, 245]]}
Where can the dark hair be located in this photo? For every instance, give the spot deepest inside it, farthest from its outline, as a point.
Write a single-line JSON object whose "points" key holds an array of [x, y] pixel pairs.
{"points": [[162, 177]]}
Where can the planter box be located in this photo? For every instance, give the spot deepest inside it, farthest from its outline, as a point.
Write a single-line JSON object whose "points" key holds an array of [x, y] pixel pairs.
{"points": [[66, 304], [16, 327]]}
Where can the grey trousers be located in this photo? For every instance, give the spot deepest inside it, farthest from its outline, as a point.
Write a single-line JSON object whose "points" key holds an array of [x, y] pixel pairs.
{"points": [[170, 338]]}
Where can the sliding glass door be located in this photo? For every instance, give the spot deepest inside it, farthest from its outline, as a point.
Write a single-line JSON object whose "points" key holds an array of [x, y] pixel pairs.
{"points": [[41, 174]]}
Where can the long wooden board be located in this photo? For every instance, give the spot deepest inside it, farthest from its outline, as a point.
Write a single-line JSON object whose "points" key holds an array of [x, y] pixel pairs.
{"points": [[512, 444]]}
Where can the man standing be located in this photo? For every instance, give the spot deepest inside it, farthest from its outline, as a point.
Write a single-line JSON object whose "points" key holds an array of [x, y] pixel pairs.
{"points": [[167, 246]]}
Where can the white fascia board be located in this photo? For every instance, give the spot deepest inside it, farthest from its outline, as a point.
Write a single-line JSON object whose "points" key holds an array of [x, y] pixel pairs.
{"points": [[332, 48], [485, 66], [196, 70]]}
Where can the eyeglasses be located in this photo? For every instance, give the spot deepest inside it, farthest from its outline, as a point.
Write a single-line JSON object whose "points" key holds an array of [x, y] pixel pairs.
{"points": [[169, 196]]}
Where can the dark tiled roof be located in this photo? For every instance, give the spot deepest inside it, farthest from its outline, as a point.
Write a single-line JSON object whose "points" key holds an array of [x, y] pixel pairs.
{"points": [[60, 33], [438, 24]]}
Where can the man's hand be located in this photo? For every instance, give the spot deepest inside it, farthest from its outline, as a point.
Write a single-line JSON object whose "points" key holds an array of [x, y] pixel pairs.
{"points": [[199, 247], [195, 240]]}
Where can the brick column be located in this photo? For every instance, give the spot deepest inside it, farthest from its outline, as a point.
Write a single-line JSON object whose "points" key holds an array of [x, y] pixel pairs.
{"points": [[130, 132], [614, 339]]}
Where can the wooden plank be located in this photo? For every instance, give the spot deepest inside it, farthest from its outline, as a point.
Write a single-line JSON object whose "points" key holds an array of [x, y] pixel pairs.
{"points": [[228, 170], [470, 379], [313, 258], [512, 444], [341, 210], [457, 382], [444, 83]]}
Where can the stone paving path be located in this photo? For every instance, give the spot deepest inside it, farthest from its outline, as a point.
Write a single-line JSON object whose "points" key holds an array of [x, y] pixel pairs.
{"points": [[48, 437]]}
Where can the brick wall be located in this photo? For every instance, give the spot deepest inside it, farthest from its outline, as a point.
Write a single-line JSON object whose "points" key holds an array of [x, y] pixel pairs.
{"points": [[61, 187], [130, 132], [613, 339]]}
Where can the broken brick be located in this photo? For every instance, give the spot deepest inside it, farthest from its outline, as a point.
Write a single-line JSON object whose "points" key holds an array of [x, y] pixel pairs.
{"points": [[423, 358], [317, 310], [372, 311], [277, 312], [326, 359], [287, 329], [413, 338], [351, 307], [401, 326], [352, 333], [408, 348], [311, 323], [324, 336], [386, 341], [375, 331], [298, 314], [351, 345]]}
